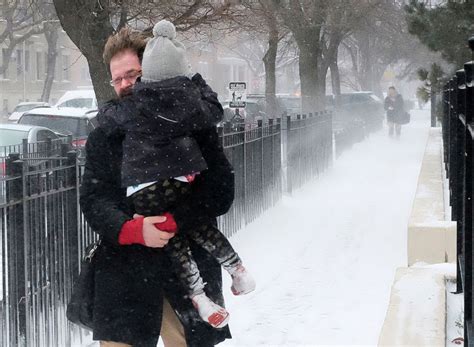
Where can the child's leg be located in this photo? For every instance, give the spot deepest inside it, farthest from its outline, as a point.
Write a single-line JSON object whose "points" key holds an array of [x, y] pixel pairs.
{"points": [[213, 241], [187, 270], [179, 253], [159, 197]]}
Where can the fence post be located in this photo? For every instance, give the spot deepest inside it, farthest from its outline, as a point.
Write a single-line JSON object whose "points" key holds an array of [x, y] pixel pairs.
{"points": [[241, 129], [288, 155], [17, 291], [271, 133], [465, 80], [279, 157]]}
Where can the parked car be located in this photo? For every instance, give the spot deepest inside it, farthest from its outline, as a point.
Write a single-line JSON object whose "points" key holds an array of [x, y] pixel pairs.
{"points": [[11, 141], [78, 99], [22, 107], [362, 107], [68, 121], [290, 104]]}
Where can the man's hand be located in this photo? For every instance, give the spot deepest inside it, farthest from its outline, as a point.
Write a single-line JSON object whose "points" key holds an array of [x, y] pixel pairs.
{"points": [[153, 236]]}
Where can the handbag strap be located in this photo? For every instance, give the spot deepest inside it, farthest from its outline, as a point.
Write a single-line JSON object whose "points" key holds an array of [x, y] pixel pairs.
{"points": [[91, 250]]}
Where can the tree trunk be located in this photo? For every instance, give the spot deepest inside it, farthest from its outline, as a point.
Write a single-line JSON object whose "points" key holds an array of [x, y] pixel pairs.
{"points": [[51, 35], [269, 61], [93, 17], [335, 76], [311, 93]]}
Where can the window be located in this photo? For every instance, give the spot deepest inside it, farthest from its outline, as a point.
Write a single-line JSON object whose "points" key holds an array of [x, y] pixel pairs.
{"points": [[45, 63], [78, 127], [85, 76], [5, 106], [27, 61], [45, 134], [4, 59], [39, 66], [203, 69], [241, 72], [19, 63]]}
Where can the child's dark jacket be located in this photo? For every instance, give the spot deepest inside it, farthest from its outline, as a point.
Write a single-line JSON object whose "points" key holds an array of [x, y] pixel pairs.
{"points": [[157, 120]]}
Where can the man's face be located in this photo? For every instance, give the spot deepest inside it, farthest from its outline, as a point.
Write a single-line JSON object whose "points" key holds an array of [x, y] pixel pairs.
{"points": [[392, 92], [125, 68]]}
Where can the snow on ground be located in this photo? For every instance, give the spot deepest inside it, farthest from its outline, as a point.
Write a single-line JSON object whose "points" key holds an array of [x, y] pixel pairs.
{"points": [[325, 257]]}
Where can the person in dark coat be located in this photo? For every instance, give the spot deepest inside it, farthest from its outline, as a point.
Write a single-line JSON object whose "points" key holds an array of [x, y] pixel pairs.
{"points": [[132, 281], [395, 111], [161, 159]]}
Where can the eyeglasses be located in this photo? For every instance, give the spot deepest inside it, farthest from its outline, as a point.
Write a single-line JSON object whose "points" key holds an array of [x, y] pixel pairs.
{"points": [[129, 76]]}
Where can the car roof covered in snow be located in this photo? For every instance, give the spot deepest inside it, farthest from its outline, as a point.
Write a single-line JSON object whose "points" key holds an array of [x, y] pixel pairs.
{"points": [[64, 112], [20, 127]]}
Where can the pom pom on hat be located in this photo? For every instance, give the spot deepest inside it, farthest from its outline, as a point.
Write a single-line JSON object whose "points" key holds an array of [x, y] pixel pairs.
{"points": [[164, 28]]}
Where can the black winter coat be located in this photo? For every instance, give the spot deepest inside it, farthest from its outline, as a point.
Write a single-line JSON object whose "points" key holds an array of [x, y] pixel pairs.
{"points": [[130, 280], [394, 108], [157, 120]]}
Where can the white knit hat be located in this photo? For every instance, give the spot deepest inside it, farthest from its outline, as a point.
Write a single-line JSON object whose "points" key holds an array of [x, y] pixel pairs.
{"points": [[164, 56]]}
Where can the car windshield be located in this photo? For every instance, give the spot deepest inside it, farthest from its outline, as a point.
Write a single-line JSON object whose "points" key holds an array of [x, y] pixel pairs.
{"points": [[78, 103], [375, 97], [12, 137], [64, 125], [24, 108], [291, 102]]}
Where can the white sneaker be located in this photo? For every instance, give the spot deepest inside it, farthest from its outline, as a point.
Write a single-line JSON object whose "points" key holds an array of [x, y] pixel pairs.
{"points": [[210, 312], [242, 281]]}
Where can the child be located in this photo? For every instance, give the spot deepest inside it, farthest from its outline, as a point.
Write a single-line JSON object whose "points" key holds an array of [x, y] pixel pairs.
{"points": [[161, 159]]}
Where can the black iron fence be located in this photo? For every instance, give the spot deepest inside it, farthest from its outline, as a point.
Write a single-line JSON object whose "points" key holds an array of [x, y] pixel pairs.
{"points": [[309, 147], [458, 139], [44, 234], [255, 155]]}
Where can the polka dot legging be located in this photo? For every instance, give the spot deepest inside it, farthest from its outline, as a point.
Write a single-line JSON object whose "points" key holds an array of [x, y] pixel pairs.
{"points": [[161, 197]]}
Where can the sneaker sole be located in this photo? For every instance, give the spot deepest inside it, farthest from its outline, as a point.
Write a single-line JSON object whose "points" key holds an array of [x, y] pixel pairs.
{"points": [[218, 320], [242, 292]]}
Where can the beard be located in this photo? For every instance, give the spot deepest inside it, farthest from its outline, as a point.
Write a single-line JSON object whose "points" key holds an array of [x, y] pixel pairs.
{"points": [[126, 91]]}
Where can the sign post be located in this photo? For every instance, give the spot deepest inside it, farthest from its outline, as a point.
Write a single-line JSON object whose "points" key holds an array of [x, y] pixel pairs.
{"points": [[237, 94]]}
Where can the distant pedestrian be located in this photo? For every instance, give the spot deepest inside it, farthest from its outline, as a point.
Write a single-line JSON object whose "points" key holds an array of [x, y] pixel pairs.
{"points": [[395, 112]]}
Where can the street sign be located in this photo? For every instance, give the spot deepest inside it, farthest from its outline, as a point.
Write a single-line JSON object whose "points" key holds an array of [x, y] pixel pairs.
{"points": [[237, 94]]}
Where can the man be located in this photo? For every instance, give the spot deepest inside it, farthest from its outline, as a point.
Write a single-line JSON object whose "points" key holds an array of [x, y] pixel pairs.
{"points": [[395, 111], [130, 279]]}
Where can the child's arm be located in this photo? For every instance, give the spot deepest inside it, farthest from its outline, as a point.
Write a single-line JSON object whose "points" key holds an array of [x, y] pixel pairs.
{"points": [[212, 109], [113, 115]]}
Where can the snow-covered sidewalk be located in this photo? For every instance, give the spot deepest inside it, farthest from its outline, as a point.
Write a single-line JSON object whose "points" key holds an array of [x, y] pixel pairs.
{"points": [[325, 258]]}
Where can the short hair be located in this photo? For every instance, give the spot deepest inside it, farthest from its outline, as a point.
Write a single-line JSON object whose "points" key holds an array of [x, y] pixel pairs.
{"points": [[392, 87], [124, 39]]}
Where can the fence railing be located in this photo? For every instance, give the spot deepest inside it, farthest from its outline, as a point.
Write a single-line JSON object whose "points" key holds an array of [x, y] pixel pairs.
{"points": [[44, 234], [309, 147], [255, 155], [458, 139]]}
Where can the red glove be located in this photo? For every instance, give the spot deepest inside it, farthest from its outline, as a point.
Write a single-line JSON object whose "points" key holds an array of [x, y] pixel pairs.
{"points": [[169, 225], [132, 232]]}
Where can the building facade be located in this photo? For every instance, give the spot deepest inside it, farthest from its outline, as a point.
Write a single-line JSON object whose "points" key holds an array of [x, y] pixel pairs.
{"points": [[25, 77]]}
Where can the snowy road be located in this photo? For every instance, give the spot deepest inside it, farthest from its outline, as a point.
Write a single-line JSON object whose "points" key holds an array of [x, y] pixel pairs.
{"points": [[325, 258]]}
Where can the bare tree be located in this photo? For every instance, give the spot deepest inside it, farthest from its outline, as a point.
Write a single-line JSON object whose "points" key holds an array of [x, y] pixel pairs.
{"points": [[19, 20], [51, 35], [318, 28], [381, 40], [90, 22]]}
